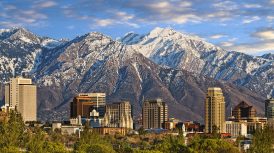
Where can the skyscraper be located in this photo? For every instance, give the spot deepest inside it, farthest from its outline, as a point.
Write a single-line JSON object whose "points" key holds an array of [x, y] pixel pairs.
{"points": [[118, 115], [269, 108], [84, 103], [155, 114], [21, 94], [214, 110]]}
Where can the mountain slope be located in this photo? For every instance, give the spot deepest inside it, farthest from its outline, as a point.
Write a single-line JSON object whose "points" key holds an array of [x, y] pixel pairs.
{"points": [[19, 51], [96, 63], [170, 48]]}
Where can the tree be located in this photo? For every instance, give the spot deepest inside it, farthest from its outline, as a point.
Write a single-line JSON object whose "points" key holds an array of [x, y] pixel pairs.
{"points": [[142, 131], [173, 144], [92, 143], [37, 139], [147, 151], [215, 132], [12, 132], [122, 146], [54, 147], [213, 146], [263, 140]]}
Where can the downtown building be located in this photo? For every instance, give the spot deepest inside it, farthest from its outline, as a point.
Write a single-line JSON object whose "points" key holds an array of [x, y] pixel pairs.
{"points": [[244, 120], [118, 115], [84, 103], [269, 108], [215, 110], [269, 111], [154, 114], [243, 111], [21, 95]]}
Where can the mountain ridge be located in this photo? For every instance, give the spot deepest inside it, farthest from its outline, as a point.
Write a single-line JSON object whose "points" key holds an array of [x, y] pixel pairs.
{"points": [[95, 62]]}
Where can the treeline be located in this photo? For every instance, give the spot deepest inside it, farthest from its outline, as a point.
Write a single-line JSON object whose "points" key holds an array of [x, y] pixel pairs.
{"points": [[15, 137]]}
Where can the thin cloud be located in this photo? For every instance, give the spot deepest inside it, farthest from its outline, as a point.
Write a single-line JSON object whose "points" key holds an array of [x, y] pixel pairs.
{"points": [[20, 16], [226, 5], [104, 22], [253, 48], [45, 4], [270, 18], [264, 34], [252, 5], [250, 20], [217, 36]]}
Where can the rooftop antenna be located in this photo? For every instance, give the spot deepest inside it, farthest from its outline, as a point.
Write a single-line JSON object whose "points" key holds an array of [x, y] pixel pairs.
{"points": [[231, 110], [13, 73]]}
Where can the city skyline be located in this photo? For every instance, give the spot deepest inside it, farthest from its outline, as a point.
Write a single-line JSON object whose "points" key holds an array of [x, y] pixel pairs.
{"points": [[245, 26], [137, 76]]}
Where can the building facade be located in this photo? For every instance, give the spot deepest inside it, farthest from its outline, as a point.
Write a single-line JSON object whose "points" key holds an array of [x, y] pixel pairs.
{"points": [[215, 110], [243, 110], [111, 130], [236, 128], [118, 115], [155, 114], [269, 108], [84, 103], [21, 95]]}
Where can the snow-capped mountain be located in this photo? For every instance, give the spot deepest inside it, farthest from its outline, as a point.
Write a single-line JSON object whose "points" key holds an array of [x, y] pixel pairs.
{"points": [[19, 51], [269, 56], [170, 48], [96, 63], [127, 70]]}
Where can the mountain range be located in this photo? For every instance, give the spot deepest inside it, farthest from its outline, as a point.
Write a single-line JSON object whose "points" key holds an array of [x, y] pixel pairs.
{"points": [[164, 63]]}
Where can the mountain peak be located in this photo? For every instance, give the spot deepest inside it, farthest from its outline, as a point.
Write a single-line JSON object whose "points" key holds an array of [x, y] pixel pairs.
{"points": [[158, 31], [269, 56]]}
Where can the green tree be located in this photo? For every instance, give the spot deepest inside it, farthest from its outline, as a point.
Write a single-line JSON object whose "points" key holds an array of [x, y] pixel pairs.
{"points": [[37, 139], [10, 149], [263, 140], [54, 147], [146, 151], [213, 146], [173, 144], [215, 132], [12, 132], [122, 146], [142, 131], [91, 142]]}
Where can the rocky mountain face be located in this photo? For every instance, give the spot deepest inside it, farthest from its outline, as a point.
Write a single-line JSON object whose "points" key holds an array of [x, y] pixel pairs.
{"points": [[268, 56], [96, 63], [19, 51], [173, 49]]}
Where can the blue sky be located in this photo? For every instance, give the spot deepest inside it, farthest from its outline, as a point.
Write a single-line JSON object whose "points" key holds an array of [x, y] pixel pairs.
{"points": [[242, 25]]}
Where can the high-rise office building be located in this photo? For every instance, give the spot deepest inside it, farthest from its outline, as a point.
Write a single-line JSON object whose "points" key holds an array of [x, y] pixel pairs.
{"points": [[155, 114], [118, 115], [269, 108], [243, 111], [215, 110], [21, 94], [84, 103]]}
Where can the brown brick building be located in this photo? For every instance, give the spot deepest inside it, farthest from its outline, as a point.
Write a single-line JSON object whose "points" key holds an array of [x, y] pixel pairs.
{"points": [[84, 103], [243, 111], [155, 114]]}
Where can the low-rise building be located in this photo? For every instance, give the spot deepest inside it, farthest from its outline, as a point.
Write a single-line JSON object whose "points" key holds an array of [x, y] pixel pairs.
{"points": [[236, 128], [111, 130], [70, 129], [56, 125], [171, 123]]}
